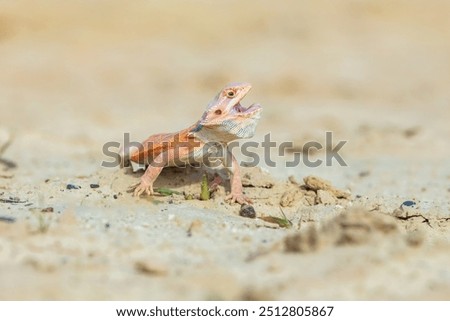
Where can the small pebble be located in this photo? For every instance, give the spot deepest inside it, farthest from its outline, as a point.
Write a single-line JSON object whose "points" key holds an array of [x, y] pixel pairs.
{"points": [[7, 219], [247, 211], [72, 186], [115, 196], [47, 210], [94, 186], [408, 203]]}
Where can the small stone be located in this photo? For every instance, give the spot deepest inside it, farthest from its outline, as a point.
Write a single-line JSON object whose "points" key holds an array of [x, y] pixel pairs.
{"points": [[7, 219], [315, 183], [325, 198], [256, 177], [289, 197], [411, 132], [115, 196], [47, 210], [247, 211], [364, 173], [72, 186], [409, 203], [293, 180], [94, 185]]}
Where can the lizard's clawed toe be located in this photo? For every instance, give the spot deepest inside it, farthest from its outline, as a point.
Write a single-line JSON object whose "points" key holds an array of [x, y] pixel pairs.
{"points": [[132, 188], [238, 198], [141, 188]]}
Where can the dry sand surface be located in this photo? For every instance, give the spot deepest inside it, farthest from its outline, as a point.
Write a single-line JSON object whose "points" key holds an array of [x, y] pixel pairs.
{"points": [[77, 74]]}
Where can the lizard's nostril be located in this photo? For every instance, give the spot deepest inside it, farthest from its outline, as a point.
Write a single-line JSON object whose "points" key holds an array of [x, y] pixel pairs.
{"points": [[218, 112]]}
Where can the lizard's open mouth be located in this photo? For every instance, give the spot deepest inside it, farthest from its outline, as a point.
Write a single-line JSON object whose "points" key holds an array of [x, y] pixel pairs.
{"points": [[252, 109]]}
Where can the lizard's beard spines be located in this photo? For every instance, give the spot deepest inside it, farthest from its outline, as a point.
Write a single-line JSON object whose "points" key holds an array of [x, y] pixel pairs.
{"points": [[242, 128]]}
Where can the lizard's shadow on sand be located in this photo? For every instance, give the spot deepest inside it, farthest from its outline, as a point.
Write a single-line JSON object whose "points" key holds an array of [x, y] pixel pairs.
{"points": [[179, 178]]}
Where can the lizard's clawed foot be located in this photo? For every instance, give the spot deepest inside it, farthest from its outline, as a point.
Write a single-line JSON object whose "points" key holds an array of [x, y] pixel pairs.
{"points": [[238, 198], [141, 188]]}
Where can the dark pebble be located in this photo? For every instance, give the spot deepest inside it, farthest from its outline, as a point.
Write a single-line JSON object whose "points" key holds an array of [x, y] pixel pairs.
{"points": [[47, 210], [408, 203], [107, 225], [94, 186], [247, 211], [7, 219], [72, 186], [115, 197]]}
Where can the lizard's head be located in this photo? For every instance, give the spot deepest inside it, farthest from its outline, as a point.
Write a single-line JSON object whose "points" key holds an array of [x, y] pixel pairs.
{"points": [[226, 114]]}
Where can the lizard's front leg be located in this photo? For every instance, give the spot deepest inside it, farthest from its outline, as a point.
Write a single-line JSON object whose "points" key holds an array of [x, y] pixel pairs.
{"points": [[237, 193], [147, 180], [151, 174]]}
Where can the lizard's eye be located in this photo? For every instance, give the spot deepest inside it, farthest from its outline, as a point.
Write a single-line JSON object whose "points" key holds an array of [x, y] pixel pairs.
{"points": [[230, 94], [218, 112]]}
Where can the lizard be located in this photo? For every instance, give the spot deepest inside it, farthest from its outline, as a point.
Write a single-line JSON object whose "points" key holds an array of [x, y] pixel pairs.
{"points": [[224, 120]]}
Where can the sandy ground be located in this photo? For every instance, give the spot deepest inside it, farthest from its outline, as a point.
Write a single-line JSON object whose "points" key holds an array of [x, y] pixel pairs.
{"points": [[77, 75]]}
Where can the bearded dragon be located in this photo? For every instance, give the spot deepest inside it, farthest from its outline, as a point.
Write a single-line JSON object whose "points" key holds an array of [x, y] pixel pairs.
{"points": [[224, 120]]}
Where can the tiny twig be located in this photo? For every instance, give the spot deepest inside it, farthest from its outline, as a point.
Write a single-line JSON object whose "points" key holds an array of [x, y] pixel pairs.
{"points": [[11, 200], [3, 148], [407, 217], [5, 145]]}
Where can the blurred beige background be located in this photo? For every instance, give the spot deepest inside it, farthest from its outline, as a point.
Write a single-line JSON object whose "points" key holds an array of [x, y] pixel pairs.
{"points": [[99, 64]]}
